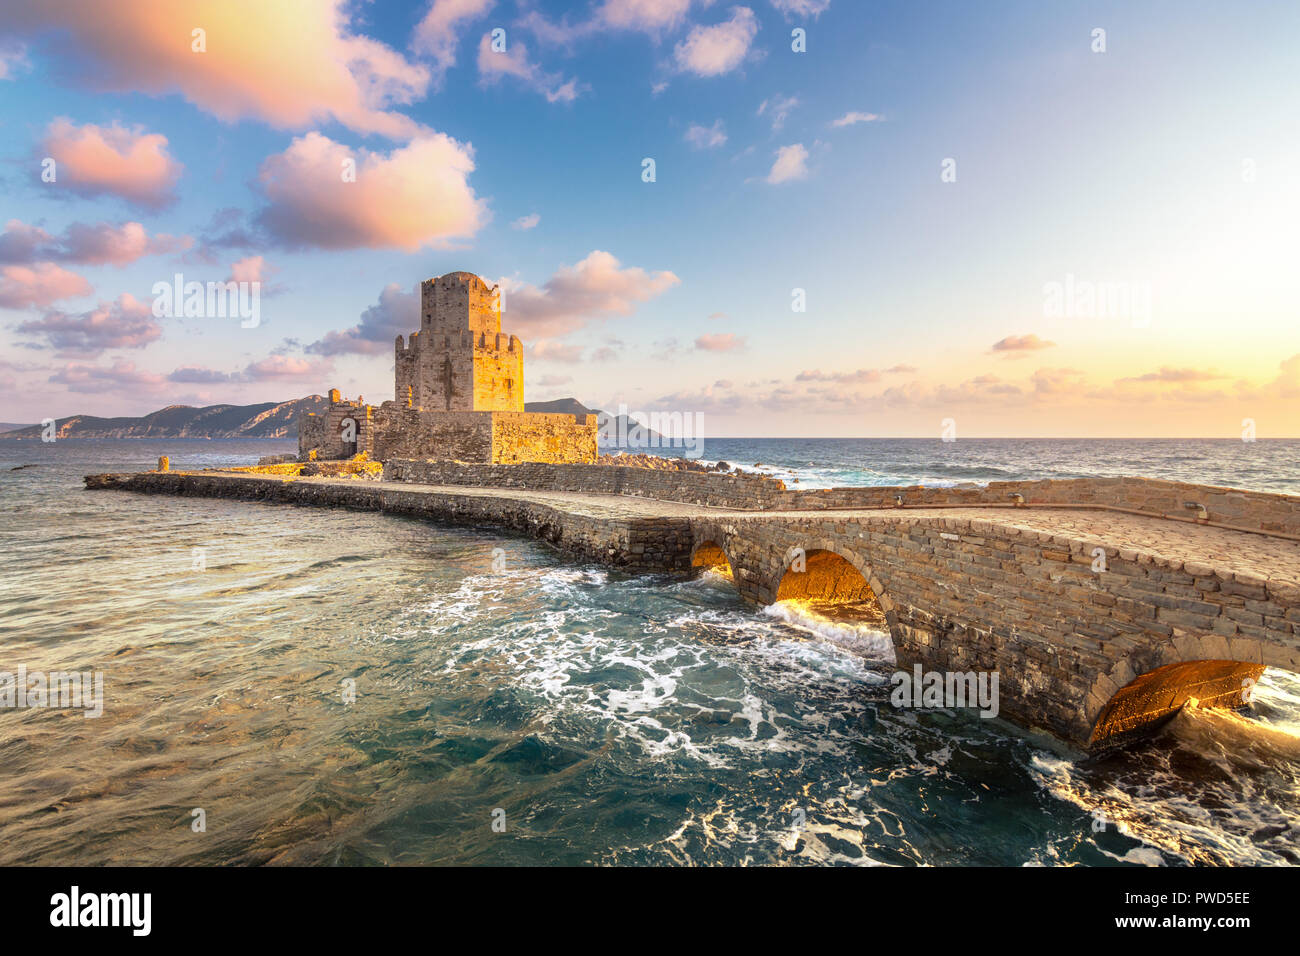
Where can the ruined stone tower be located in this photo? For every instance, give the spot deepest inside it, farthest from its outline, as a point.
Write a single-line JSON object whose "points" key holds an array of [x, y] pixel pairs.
{"points": [[459, 384], [460, 360]]}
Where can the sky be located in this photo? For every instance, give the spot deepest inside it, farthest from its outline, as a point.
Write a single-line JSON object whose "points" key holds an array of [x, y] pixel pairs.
{"points": [[796, 217]]}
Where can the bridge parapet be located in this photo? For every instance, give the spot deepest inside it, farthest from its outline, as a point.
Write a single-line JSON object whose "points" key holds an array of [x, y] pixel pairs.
{"points": [[1247, 510]]}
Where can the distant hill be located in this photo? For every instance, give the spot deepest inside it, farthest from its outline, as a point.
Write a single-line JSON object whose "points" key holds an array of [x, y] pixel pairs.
{"points": [[561, 406], [268, 420], [10, 426], [571, 406]]}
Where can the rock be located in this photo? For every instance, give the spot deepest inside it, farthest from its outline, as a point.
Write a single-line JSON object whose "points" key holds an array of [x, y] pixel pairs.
{"points": [[275, 460]]}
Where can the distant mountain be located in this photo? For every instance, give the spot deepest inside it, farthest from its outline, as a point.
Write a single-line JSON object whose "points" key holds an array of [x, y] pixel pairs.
{"points": [[268, 420], [571, 406], [9, 427], [561, 406]]}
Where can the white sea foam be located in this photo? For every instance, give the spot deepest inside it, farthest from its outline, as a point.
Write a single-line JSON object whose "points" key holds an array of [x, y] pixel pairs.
{"points": [[870, 641]]}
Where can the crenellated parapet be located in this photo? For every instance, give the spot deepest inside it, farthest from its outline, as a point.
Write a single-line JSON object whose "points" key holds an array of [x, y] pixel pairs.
{"points": [[458, 361]]}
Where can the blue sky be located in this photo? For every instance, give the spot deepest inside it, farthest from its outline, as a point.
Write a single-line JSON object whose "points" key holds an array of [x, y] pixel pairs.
{"points": [[1165, 165]]}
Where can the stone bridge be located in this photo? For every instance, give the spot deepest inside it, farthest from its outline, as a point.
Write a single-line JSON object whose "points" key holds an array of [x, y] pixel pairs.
{"points": [[1099, 621]]}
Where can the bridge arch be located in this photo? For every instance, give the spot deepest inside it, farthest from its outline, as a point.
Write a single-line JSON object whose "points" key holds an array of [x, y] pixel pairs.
{"points": [[1138, 693], [827, 574], [708, 555], [830, 573]]}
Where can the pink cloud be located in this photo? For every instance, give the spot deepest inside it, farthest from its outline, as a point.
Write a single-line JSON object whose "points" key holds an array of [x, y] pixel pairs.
{"points": [[285, 368], [1169, 374], [1022, 343], [248, 269], [98, 244], [597, 286], [116, 245], [714, 50], [417, 195], [860, 376], [39, 284], [719, 342], [97, 160], [546, 350], [21, 243], [126, 323], [291, 63], [80, 377]]}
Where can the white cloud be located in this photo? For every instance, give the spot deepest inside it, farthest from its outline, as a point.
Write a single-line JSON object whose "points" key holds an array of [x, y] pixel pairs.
{"points": [[717, 49], [778, 108], [524, 223], [802, 8], [791, 163], [513, 61], [706, 137], [852, 117], [443, 28], [13, 59]]}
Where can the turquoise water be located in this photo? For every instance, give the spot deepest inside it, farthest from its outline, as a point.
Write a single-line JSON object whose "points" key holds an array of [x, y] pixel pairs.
{"points": [[602, 718]]}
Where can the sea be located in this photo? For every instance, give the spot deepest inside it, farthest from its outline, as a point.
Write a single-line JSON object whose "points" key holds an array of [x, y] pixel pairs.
{"points": [[305, 686]]}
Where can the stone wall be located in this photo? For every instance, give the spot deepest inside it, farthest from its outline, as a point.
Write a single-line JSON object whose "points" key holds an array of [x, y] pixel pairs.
{"points": [[542, 437], [413, 431], [654, 544], [720, 490], [391, 431], [311, 432], [499, 373], [1251, 510]]}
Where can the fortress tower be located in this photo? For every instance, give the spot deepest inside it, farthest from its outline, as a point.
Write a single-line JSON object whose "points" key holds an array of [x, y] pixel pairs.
{"points": [[459, 394], [460, 360]]}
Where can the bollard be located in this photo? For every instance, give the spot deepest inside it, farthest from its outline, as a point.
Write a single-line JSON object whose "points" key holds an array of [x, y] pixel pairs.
{"points": [[164, 463]]}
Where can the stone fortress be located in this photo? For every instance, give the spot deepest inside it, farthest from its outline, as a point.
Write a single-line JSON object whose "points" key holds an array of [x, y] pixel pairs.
{"points": [[459, 394]]}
